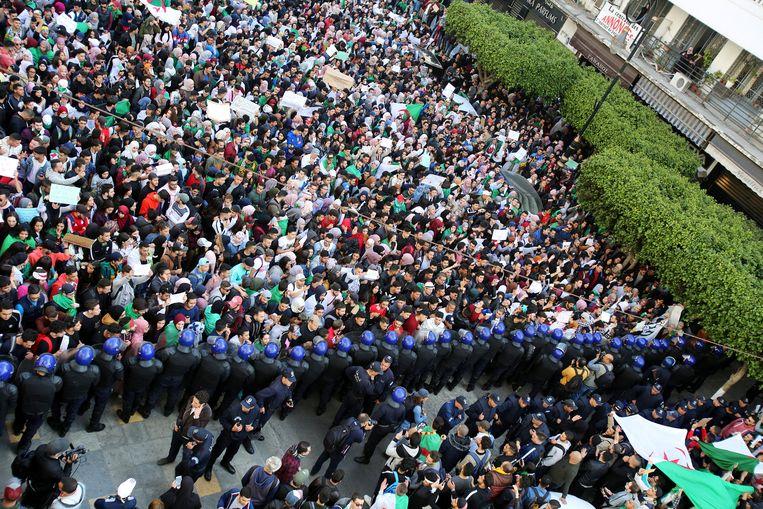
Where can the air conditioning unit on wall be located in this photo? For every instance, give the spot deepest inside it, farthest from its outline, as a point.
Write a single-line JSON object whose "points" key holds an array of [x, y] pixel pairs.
{"points": [[680, 81]]}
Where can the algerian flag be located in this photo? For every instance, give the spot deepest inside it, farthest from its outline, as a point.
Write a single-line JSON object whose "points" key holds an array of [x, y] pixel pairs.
{"points": [[352, 170], [705, 490], [731, 454], [655, 442], [122, 107], [414, 110]]}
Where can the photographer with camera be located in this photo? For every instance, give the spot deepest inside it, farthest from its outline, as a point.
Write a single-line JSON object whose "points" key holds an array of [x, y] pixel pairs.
{"points": [[43, 469]]}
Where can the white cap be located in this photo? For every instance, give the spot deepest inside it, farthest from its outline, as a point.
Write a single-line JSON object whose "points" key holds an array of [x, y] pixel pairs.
{"points": [[125, 489]]}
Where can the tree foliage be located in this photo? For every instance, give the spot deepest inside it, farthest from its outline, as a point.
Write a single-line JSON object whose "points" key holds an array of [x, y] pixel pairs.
{"points": [[636, 183]]}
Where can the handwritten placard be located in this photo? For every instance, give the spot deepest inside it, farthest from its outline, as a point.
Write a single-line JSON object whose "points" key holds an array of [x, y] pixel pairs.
{"points": [[8, 167], [66, 195], [79, 240]]}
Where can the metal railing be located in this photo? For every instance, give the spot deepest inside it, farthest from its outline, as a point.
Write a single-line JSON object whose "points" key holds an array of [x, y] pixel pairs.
{"points": [[733, 104]]}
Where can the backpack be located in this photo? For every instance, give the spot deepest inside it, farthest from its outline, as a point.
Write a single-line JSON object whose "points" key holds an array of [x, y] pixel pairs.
{"points": [[479, 463], [533, 498], [575, 383], [22, 465], [392, 487], [606, 380], [336, 436]]}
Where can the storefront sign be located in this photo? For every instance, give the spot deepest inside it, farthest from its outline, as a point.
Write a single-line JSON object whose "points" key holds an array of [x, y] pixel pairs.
{"points": [[613, 20], [598, 55], [545, 11]]}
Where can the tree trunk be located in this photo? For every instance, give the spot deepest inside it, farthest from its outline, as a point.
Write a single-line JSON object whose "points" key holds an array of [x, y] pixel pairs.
{"points": [[733, 379]]}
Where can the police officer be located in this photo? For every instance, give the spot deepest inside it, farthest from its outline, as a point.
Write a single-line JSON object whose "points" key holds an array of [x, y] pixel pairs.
{"points": [[196, 453], [406, 359], [484, 409], [425, 359], [495, 344], [452, 413], [506, 361], [239, 420], [110, 371], [212, 370], [360, 385], [140, 373], [389, 346], [241, 373], [178, 361], [574, 349], [383, 385], [266, 368], [509, 413], [274, 396], [453, 363], [661, 374], [365, 352], [628, 376], [316, 365], [480, 347], [338, 361], [79, 378], [389, 416], [37, 391], [444, 348], [8, 392], [682, 376], [544, 369]]}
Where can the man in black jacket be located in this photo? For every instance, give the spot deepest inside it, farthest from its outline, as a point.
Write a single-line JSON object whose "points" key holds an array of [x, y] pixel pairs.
{"points": [[238, 421], [47, 468]]}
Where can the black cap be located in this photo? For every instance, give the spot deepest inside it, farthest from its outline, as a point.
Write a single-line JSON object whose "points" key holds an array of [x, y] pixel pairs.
{"points": [[376, 366]]}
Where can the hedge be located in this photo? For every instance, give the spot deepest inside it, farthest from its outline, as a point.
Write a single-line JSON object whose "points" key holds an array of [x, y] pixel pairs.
{"points": [[706, 254], [636, 184]]}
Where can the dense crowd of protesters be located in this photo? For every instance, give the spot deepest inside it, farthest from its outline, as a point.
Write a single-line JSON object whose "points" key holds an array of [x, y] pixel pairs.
{"points": [[231, 269]]}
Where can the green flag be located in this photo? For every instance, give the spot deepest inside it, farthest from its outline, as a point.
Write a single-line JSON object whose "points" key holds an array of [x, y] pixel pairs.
{"points": [[729, 460], [122, 107], [414, 110], [352, 170], [705, 490]]}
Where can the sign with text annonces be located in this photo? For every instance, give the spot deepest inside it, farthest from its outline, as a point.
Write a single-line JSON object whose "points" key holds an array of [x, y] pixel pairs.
{"points": [[545, 11], [613, 20]]}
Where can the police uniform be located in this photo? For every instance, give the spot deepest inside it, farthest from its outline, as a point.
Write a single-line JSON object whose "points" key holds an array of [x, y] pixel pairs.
{"points": [[241, 373], [479, 350], [450, 365], [229, 440], [111, 371], [505, 362], [543, 372], [388, 415], [209, 375], [316, 365], [272, 398], [139, 375], [406, 361], [78, 381], [363, 355], [178, 363], [360, 385], [36, 395], [195, 459], [265, 371], [495, 345], [338, 362], [425, 362], [8, 399]]}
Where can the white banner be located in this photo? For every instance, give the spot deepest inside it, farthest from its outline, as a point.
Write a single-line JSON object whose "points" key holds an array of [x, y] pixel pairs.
{"points": [[613, 20], [655, 442]]}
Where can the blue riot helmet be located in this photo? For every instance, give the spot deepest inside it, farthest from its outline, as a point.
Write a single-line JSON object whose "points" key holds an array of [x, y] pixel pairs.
{"points": [[641, 343], [530, 330], [587, 338], [558, 353], [699, 345], [597, 337], [467, 338], [717, 351], [345, 344], [271, 350], [187, 338], [297, 353], [367, 338], [84, 356], [517, 336], [690, 360], [445, 337], [220, 346], [499, 329], [390, 337], [638, 362], [45, 362], [616, 343], [399, 394], [629, 340], [320, 348], [680, 342], [557, 334], [146, 352], [6, 371], [543, 329], [408, 343], [483, 333], [112, 346], [668, 362], [578, 339], [245, 351], [431, 338]]}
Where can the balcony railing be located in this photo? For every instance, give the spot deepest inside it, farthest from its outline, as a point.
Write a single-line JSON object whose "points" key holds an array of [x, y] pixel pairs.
{"points": [[726, 98]]}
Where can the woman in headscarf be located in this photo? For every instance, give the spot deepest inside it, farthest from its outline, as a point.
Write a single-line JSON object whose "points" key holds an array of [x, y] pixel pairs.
{"points": [[181, 497], [124, 218]]}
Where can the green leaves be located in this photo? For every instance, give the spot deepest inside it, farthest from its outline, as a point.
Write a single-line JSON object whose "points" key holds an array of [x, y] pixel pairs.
{"points": [[637, 185]]}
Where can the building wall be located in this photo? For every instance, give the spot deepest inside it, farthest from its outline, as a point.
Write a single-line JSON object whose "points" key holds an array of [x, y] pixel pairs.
{"points": [[725, 58], [566, 32], [669, 27]]}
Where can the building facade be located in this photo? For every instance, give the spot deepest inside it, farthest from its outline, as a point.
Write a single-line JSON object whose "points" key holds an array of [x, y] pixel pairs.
{"points": [[699, 66]]}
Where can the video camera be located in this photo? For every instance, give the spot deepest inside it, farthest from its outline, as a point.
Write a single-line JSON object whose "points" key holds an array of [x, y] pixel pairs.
{"points": [[68, 454]]}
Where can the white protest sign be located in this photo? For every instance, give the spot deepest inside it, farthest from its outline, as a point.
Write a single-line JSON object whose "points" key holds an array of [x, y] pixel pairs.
{"points": [[337, 79], [274, 42], [433, 180], [67, 195], [513, 135], [448, 90], [8, 167], [218, 112], [425, 159], [307, 111], [242, 106], [500, 235], [163, 169], [519, 155], [331, 51], [293, 101], [386, 143], [467, 108], [67, 22]]}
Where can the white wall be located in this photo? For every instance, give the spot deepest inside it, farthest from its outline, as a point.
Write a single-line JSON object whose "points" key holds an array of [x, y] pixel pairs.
{"points": [[566, 32], [725, 58], [671, 24]]}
